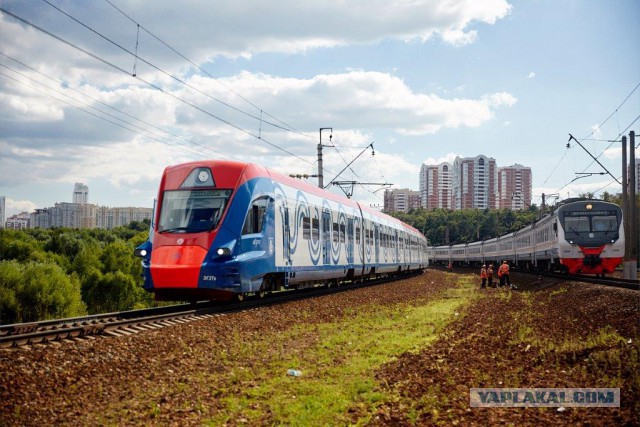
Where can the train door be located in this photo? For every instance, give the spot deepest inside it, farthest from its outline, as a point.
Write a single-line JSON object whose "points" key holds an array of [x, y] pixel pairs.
{"points": [[376, 242], [326, 237], [350, 241], [396, 244], [286, 241]]}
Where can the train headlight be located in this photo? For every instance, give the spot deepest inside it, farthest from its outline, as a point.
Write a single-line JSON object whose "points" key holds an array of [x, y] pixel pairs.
{"points": [[223, 251], [140, 253], [589, 206], [571, 242]]}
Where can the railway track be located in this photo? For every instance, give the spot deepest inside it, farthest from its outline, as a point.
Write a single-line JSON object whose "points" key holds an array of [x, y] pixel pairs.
{"points": [[135, 321], [605, 281]]}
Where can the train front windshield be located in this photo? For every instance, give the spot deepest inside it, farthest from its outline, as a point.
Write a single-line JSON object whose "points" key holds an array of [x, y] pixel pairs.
{"points": [[192, 211], [593, 227]]}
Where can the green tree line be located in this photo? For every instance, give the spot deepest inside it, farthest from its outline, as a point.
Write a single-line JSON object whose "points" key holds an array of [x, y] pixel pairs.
{"points": [[57, 273]]}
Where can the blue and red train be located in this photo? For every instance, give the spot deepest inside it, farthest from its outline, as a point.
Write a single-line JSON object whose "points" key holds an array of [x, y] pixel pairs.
{"points": [[225, 229]]}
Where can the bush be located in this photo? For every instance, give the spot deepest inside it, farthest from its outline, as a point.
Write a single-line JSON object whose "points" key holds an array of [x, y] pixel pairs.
{"points": [[37, 291]]}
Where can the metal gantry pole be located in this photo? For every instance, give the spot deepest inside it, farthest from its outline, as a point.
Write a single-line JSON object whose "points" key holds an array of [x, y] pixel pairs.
{"points": [[625, 211], [320, 169], [633, 211]]}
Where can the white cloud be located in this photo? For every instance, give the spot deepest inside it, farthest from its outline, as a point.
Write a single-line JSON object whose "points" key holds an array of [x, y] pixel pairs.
{"points": [[502, 99], [14, 207], [449, 158], [531, 75]]}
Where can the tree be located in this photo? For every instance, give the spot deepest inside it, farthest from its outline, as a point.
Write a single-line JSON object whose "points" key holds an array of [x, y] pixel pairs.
{"points": [[41, 291]]}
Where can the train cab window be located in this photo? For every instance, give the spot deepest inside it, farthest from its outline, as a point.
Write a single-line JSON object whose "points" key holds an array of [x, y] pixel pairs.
{"points": [[255, 216], [191, 211], [604, 223], [577, 224]]}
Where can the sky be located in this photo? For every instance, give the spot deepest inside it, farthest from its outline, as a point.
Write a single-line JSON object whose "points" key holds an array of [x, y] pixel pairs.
{"points": [[109, 93]]}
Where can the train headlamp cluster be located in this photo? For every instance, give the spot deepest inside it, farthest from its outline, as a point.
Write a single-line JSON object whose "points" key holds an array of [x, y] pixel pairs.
{"points": [[223, 251], [140, 253]]}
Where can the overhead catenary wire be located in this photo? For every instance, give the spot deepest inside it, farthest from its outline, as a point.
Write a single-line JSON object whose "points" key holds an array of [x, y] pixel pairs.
{"points": [[118, 68], [611, 141], [201, 150], [166, 73], [89, 112], [289, 127]]}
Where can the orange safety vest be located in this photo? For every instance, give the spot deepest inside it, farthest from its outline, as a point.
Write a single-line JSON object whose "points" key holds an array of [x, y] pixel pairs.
{"points": [[483, 273], [504, 269]]}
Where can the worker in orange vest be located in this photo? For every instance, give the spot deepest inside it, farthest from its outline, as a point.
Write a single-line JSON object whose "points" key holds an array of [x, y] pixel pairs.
{"points": [[483, 276], [490, 275], [503, 273]]}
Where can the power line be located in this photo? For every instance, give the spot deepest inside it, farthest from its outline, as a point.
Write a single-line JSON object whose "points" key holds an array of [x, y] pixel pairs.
{"points": [[106, 113], [110, 64], [177, 79], [289, 127]]}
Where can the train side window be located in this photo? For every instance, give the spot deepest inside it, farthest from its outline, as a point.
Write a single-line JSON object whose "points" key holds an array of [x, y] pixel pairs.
{"points": [[315, 229], [357, 235], [255, 216], [342, 233], [335, 236], [306, 228]]}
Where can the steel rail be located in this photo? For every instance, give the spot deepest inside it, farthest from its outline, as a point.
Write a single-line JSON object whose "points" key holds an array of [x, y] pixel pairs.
{"points": [[134, 321]]}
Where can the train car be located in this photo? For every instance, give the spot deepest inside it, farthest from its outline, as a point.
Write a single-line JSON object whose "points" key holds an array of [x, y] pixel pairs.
{"points": [[590, 237], [580, 236], [226, 229]]}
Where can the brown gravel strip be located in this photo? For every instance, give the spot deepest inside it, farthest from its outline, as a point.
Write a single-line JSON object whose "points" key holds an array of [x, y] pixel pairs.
{"points": [[513, 339]]}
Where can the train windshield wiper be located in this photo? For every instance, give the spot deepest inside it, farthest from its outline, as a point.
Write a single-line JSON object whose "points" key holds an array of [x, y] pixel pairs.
{"points": [[175, 230]]}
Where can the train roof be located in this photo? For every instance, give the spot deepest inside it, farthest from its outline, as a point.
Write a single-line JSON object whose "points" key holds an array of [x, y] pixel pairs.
{"points": [[243, 172]]}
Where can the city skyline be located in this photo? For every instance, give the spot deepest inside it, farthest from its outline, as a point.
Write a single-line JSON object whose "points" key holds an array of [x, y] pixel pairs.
{"points": [[86, 97]]}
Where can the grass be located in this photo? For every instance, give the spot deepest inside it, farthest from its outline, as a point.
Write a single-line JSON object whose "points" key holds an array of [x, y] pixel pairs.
{"points": [[337, 368]]}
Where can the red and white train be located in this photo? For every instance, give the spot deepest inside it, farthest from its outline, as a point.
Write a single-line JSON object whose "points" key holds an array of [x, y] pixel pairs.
{"points": [[581, 236], [226, 229]]}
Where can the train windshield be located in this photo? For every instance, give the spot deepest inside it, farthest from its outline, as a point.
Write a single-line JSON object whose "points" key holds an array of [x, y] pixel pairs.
{"points": [[192, 211], [591, 222]]}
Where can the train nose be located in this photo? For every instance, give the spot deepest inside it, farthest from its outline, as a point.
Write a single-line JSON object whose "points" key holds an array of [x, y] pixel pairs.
{"points": [[177, 266], [592, 260]]}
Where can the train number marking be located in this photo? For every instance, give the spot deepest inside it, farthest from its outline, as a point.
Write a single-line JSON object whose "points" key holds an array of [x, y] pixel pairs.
{"points": [[209, 278]]}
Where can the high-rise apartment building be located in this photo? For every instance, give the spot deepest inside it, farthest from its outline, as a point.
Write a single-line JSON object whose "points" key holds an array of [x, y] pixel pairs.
{"points": [[514, 187], [2, 211], [474, 182], [435, 186], [401, 200], [80, 193], [18, 221], [108, 218]]}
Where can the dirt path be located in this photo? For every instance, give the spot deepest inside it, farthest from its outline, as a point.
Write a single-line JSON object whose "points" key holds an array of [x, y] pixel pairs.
{"points": [[564, 336]]}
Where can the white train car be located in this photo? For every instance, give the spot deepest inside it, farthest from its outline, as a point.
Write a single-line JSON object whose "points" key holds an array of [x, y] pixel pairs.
{"points": [[580, 236]]}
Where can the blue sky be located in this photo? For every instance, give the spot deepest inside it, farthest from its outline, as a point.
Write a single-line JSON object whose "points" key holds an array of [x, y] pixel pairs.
{"points": [[424, 80]]}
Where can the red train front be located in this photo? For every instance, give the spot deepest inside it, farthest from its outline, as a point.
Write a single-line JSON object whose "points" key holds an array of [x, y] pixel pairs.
{"points": [[590, 237]]}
